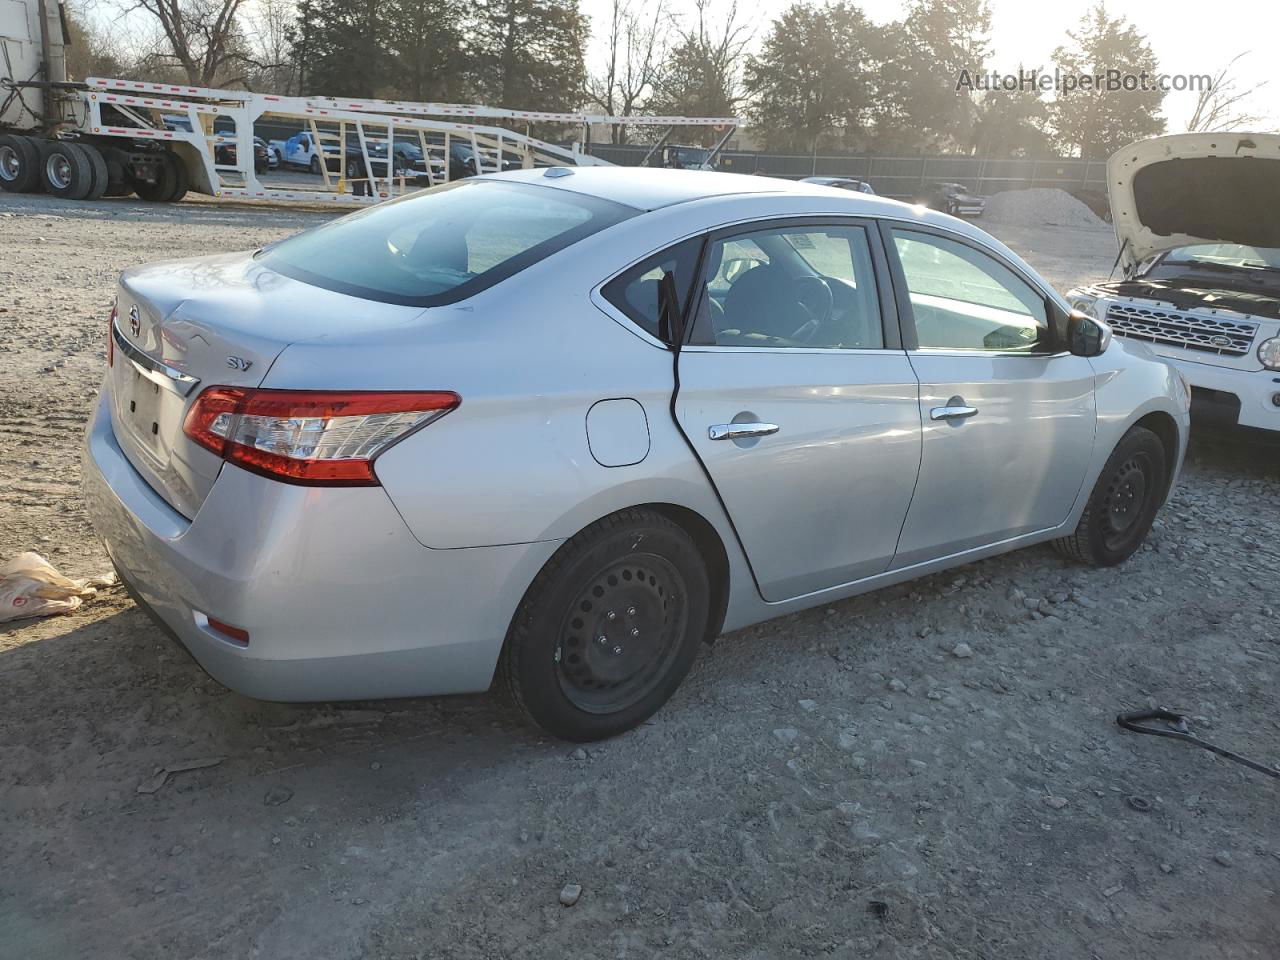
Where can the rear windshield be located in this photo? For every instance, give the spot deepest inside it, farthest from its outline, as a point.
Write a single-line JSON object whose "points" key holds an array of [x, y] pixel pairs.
{"points": [[443, 244]]}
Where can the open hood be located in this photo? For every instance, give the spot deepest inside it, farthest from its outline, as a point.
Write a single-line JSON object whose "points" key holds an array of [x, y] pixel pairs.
{"points": [[1190, 188]]}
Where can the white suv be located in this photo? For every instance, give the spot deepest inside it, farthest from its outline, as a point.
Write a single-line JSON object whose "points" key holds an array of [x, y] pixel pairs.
{"points": [[1198, 221]]}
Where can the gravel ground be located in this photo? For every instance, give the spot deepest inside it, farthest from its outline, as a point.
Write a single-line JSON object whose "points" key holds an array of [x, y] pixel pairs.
{"points": [[930, 771]]}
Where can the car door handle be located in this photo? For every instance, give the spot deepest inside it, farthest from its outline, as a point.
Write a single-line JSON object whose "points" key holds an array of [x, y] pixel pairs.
{"points": [[952, 411], [741, 431]]}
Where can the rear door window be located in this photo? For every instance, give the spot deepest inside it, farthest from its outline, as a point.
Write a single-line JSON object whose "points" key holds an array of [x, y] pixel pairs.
{"points": [[444, 244], [809, 287]]}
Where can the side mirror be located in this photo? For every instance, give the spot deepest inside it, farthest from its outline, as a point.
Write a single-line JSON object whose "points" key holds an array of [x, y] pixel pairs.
{"points": [[1086, 336]]}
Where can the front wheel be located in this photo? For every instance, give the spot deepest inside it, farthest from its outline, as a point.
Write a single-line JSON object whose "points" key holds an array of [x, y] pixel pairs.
{"points": [[315, 166], [1123, 504], [609, 628]]}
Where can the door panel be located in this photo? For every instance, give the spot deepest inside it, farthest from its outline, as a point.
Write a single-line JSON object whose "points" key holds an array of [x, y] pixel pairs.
{"points": [[1013, 467], [821, 501], [1008, 418]]}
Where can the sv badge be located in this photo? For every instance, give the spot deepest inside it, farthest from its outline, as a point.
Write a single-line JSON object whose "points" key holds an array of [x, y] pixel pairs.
{"points": [[239, 363]]}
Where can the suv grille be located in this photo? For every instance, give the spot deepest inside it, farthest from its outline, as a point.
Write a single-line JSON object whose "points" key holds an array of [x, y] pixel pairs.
{"points": [[1232, 338]]}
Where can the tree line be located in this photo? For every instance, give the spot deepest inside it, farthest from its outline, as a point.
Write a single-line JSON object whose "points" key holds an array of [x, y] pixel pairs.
{"points": [[821, 77]]}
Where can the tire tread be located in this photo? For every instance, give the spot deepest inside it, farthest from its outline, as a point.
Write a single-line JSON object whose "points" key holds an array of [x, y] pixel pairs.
{"points": [[1078, 545], [516, 642]]}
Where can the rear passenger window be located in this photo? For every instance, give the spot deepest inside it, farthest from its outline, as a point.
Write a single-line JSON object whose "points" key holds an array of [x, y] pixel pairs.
{"points": [[809, 287], [635, 292]]}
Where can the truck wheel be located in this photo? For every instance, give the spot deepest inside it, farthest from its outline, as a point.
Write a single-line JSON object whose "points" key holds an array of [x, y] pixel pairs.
{"points": [[181, 179], [19, 164], [98, 167], [170, 184], [315, 166], [1123, 504], [65, 169]]}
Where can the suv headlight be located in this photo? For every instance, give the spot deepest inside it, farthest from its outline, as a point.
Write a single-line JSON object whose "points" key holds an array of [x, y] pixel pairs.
{"points": [[1083, 302], [1269, 353]]}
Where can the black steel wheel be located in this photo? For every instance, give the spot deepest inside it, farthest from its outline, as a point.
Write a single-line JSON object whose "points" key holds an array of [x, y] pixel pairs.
{"points": [[1123, 505], [620, 633], [1124, 502], [609, 628], [19, 164]]}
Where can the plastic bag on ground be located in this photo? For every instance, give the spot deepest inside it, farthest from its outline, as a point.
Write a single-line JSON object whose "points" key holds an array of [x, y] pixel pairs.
{"points": [[31, 587]]}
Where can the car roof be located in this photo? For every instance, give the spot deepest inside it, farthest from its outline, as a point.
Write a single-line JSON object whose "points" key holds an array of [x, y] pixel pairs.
{"points": [[649, 188]]}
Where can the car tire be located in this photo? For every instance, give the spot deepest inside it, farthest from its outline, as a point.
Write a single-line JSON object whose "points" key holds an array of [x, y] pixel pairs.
{"points": [[315, 166], [65, 169], [1123, 503], [19, 164], [609, 627]]}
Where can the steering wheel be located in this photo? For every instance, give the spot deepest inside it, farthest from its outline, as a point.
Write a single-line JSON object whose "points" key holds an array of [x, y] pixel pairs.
{"points": [[814, 296]]}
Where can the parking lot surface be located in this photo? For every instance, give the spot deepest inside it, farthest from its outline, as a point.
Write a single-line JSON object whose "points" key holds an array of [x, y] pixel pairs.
{"points": [[928, 771]]}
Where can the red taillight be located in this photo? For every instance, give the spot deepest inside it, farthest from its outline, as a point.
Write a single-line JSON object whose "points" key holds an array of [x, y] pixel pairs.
{"points": [[234, 634], [111, 336], [310, 437]]}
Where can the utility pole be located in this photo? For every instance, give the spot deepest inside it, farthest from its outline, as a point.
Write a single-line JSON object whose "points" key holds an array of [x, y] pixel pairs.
{"points": [[46, 68]]}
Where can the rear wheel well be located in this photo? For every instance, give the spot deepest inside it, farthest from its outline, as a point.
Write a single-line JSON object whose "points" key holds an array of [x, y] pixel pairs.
{"points": [[1164, 427], [711, 547]]}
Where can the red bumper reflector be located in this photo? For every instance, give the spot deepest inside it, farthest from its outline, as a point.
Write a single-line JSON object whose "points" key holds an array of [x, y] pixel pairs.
{"points": [[234, 634]]}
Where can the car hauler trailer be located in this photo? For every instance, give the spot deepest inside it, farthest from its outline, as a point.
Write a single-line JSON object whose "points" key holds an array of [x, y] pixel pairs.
{"points": [[110, 137]]}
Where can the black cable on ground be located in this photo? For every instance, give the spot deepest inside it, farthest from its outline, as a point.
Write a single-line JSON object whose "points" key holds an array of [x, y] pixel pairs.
{"points": [[1178, 729]]}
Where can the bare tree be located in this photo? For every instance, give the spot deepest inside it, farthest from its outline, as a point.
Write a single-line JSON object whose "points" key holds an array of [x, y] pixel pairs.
{"points": [[269, 32], [701, 76], [638, 43], [1223, 104], [201, 36]]}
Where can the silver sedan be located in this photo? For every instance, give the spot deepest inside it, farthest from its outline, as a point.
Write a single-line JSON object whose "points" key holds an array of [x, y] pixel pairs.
{"points": [[563, 426]]}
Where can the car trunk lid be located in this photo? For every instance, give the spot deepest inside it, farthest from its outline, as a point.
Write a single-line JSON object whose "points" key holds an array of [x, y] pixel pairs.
{"points": [[182, 327]]}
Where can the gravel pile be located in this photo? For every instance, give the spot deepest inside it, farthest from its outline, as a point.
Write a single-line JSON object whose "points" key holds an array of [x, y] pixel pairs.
{"points": [[1040, 206]]}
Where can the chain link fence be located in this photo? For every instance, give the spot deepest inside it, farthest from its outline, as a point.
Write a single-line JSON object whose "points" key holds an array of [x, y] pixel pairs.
{"points": [[904, 178]]}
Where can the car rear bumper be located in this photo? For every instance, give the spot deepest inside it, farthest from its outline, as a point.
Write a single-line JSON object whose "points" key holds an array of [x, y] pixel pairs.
{"points": [[340, 601], [1227, 397]]}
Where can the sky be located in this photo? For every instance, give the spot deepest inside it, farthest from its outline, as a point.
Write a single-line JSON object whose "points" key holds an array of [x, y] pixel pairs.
{"points": [[1191, 38]]}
